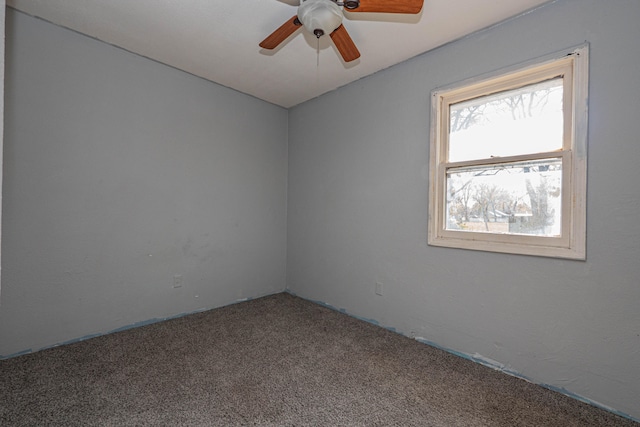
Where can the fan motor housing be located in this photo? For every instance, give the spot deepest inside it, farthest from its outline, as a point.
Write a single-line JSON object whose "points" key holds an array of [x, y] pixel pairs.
{"points": [[351, 4]]}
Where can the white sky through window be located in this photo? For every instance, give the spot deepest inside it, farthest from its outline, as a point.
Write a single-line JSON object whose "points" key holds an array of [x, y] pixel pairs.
{"points": [[521, 121]]}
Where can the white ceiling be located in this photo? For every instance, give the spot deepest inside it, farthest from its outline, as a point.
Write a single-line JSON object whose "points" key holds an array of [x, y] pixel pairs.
{"points": [[218, 39]]}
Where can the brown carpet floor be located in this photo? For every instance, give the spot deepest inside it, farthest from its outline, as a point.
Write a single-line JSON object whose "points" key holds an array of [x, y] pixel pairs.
{"points": [[274, 361]]}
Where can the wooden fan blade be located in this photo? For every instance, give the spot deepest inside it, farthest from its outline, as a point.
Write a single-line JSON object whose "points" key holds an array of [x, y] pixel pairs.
{"points": [[281, 34], [389, 6], [344, 44]]}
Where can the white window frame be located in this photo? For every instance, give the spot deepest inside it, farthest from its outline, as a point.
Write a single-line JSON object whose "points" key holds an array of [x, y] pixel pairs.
{"points": [[573, 66]]}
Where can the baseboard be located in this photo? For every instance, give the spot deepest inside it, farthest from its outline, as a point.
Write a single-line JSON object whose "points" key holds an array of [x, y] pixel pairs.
{"points": [[131, 326], [477, 358]]}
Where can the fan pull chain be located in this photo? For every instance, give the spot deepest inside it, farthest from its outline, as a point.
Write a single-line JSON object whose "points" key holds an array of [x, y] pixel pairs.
{"points": [[318, 63]]}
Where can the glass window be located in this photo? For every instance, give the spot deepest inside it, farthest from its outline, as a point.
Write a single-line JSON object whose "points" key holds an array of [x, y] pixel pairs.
{"points": [[508, 161]]}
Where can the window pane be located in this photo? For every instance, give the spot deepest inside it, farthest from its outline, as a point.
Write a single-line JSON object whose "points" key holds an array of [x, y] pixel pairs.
{"points": [[517, 198], [521, 121]]}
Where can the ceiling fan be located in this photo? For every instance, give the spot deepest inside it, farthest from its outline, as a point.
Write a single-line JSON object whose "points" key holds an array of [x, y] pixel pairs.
{"points": [[321, 17]]}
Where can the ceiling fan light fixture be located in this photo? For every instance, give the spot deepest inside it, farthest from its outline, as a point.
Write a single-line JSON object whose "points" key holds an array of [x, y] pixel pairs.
{"points": [[320, 17]]}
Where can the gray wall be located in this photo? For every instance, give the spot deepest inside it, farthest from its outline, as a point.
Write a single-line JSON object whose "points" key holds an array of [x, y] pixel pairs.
{"points": [[120, 173], [357, 209], [2, 25]]}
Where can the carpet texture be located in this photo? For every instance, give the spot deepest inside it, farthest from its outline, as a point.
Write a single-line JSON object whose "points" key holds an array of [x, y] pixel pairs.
{"points": [[274, 361]]}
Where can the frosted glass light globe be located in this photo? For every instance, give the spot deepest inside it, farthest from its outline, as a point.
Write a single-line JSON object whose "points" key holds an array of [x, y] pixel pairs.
{"points": [[320, 17]]}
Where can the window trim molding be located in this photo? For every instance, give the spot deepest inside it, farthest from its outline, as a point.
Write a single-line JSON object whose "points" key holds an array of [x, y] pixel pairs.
{"points": [[572, 245]]}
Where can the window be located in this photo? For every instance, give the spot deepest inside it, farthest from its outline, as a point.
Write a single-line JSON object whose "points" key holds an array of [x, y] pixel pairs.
{"points": [[509, 160]]}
